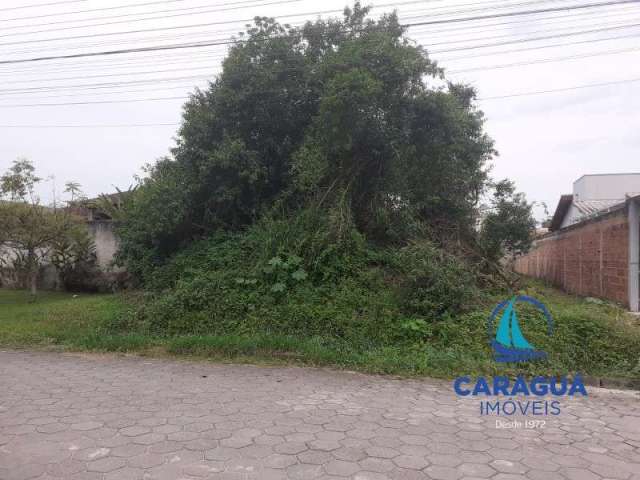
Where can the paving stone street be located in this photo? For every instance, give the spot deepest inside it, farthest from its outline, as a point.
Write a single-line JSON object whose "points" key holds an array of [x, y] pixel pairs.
{"points": [[73, 416]]}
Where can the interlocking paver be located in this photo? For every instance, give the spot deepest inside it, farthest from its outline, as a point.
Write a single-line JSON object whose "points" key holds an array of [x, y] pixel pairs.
{"points": [[90, 417]]}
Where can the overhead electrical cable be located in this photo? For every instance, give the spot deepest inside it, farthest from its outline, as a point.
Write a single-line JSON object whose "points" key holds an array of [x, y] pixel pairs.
{"points": [[611, 26], [96, 102], [197, 66], [247, 3], [527, 12], [90, 86], [163, 17], [551, 19], [152, 99], [75, 12], [227, 42], [554, 90], [431, 22], [426, 44], [41, 5], [96, 125], [542, 60], [539, 47], [145, 72], [535, 39], [233, 31]]}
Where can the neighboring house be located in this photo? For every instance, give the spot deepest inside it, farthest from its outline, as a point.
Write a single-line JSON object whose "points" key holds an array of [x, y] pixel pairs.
{"points": [[101, 229], [593, 244], [594, 194]]}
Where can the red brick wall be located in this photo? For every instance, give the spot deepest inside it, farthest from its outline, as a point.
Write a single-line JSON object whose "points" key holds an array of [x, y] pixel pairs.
{"points": [[589, 259]]}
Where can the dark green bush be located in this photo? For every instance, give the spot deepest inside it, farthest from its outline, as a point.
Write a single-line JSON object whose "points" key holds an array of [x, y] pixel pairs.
{"points": [[434, 283], [296, 278]]}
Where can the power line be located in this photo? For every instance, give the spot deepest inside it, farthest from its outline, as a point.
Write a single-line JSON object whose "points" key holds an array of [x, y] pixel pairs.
{"points": [[145, 72], [245, 3], [164, 56], [41, 5], [466, 28], [227, 42], [543, 60], [522, 94], [186, 60], [118, 91], [577, 87], [536, 39], [570, 7], [98, 86], [162, 17], [57, 14], [12, 27], [96, 125], [526, 12], [448, 71], [231, 31], [119, 52], [539, 47], [204, 77], [252, 3], [622, 10], [600, 24], [96, 102], [227, 22], [144, 62]]}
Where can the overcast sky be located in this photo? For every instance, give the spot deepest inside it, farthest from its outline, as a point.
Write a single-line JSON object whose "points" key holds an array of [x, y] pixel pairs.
{"points": [[546, 141]]}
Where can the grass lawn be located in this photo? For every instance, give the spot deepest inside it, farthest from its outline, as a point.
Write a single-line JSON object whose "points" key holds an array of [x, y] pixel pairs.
{"points": [[590, 338]]}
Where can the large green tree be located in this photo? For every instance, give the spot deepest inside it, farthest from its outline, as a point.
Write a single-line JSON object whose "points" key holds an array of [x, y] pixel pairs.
{"points": [[348, 116]]}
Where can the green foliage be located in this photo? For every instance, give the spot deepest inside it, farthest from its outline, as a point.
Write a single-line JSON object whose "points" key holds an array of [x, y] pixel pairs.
{"points": [[277, 277], [284, 273], [74, 256], [596, 340], [30, 231], [19, 181], [153, 217], [434, 283], [509, 225], [313, 191], [334, 118]]}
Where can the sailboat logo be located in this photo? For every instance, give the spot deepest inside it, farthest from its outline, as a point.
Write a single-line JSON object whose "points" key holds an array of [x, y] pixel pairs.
{"points": [[509, 344]]}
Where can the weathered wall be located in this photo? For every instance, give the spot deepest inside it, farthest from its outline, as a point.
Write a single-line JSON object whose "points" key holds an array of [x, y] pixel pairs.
{"points": [[589, 259], [106, 242], [102, 233]]}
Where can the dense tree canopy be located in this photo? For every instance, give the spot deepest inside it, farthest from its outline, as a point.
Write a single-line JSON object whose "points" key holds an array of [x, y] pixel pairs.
{"points": [[346, 116]]}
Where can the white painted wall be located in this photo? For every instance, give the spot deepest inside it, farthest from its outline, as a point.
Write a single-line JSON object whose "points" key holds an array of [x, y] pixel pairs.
{"points": [[613, 186], [572, 216], [105, 240]]}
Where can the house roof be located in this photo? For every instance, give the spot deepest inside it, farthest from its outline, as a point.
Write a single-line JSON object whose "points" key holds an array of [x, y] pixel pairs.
{"points": [[587, 208], [561, 210], [621, 174], [591, 207]]}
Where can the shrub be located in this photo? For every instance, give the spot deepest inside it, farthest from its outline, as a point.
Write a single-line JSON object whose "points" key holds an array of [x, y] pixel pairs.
{"points": [[434, 283]]}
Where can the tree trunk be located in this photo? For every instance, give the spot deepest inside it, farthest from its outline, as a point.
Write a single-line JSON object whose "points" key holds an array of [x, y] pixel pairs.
{"points": [[33, 282], [33, 273]]}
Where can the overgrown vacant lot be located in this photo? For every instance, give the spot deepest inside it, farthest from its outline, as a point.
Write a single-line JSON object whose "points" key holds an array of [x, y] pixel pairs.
{"points": [[593, 339]]}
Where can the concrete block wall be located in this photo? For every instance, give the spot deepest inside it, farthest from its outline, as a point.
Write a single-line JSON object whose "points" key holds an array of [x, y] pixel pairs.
{"points": [[588, 259]]}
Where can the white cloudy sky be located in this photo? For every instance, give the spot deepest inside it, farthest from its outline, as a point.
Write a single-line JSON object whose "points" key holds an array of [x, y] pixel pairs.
{"points": [[545, 141]]}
